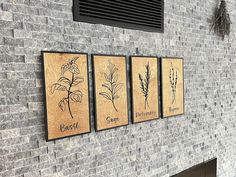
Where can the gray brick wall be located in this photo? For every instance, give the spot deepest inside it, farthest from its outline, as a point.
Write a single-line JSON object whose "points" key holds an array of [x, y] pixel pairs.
{"points": [[152, 149]]}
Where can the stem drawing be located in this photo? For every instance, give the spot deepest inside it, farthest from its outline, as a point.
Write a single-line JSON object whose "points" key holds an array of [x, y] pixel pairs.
{"points": [[173, 83], [66, 84], [111, 85], [144, 84]]}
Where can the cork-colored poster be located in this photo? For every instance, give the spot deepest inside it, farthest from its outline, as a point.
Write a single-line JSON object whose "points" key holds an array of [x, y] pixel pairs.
{"points": [[172, 83], [110, 91], [66, 94], [144, 88]]}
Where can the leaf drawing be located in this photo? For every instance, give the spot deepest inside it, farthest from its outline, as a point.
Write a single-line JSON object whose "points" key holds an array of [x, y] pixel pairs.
{"points": [[111, 85], [76, 96], [77, 80], [62, 104], [65, 80], [173, 83], [67, 84], [58, 87], [144, 84]]}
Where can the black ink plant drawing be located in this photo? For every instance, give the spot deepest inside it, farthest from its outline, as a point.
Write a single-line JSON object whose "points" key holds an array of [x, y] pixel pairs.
{"points": [[173, 82], [111, 85], [66, 84], [144, 84]]}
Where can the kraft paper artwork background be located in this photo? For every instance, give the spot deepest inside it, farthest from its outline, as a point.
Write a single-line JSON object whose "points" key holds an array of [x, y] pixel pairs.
{"points": [[107, 114], [60, 121], [145, 105], [172, 90]]}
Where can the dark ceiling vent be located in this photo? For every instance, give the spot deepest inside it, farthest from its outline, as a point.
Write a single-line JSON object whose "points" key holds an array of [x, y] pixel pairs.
{"points": [[144, 15]]}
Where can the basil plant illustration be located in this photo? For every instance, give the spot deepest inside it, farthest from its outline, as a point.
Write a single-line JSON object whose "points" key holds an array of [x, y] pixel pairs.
{"points": [[111, 85], [144, 84], [173, 83], [66, 84]]}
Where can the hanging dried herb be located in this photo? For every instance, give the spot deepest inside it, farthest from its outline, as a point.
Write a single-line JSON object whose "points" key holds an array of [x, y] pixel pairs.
{"points": [[221, 22]]}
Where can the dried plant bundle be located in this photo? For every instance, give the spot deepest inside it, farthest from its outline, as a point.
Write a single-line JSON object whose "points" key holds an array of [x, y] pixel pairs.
{"points": [[221, 22]]}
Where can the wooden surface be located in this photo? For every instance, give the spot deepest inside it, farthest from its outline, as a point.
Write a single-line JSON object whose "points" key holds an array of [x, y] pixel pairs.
{"points": [[145, 106], [172, 106], [109, 115], [60, 123]]}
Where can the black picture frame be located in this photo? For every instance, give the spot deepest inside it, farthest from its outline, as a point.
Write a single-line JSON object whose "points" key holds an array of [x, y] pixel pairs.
{"points": [[45, 99], [131, 87], [161, 86], [94, 91]]}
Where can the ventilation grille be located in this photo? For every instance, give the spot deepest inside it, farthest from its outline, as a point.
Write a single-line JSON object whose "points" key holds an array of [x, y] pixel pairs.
{"points": [[135, 14]]}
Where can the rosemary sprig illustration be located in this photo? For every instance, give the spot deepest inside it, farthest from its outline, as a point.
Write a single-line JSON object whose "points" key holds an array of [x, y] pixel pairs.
{"points": [[111, 85], [144, 84], [173, 82], [66, 84]]}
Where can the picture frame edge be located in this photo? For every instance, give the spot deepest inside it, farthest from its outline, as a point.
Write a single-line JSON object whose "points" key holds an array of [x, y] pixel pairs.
{"points": [[45, 99], [94, 90], [161, 60], [131, 87]]}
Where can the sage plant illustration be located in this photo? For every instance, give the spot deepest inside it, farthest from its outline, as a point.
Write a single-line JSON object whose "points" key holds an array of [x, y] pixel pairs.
{"points": [[144, 84], [65, 84], [173, 83], [111, 85]]}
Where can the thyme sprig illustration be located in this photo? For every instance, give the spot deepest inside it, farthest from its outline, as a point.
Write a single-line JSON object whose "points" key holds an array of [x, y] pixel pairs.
{"points": [[144, 84], [67, 84], [111, 85], [173, 82]]}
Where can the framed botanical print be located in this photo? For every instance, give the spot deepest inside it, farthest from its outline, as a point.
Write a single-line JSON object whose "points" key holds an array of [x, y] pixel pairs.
{"points": [[66, 94], [172, 86], [144, 88], [110, 91]]}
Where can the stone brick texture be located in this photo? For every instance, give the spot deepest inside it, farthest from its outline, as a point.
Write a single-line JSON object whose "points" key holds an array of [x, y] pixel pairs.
{"points": [[159, 148]]}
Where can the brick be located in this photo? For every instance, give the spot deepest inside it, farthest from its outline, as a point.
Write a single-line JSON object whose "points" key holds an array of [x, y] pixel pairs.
{"points": [[22, 34], [6, 16], [2, 100], [14, 42]]}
